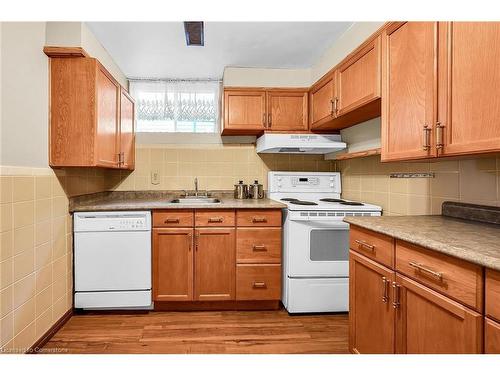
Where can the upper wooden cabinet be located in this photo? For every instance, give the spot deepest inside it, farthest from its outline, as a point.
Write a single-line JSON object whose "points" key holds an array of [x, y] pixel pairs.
{"points": [[350, 93], [439, 86], [91, 116], [253, 111]]}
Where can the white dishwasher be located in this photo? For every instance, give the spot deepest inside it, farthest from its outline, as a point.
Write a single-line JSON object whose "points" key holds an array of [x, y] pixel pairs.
{"points": [[112, 259]]}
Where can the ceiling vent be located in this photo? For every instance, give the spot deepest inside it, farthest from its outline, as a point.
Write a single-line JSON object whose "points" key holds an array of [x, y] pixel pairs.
{"points": [[194, 33]]}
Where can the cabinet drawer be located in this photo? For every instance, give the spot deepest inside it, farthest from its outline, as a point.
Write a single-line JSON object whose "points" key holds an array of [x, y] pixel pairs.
{"points": [[491, 337], [259, 218], [172, 218], [493, 294], [373, 245], [258, 245], [258, 282], [214, 218], [453, 277]]}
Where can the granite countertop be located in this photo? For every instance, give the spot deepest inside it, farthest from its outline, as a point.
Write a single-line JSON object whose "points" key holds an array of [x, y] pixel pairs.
{"points": [[156, 200], [475, 242]]}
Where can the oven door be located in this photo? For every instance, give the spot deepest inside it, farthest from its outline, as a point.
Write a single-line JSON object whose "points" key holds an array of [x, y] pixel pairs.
{"points": [[317, 248]]}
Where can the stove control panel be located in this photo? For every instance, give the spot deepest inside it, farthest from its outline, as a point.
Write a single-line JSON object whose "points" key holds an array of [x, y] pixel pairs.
{"points": [[296, 182]]}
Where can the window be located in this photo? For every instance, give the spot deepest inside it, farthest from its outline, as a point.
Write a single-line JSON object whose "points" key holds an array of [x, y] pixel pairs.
{"points": [[176, 106]]}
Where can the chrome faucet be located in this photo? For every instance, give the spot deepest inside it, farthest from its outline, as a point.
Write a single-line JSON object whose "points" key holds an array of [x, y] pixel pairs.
{"points": [[196, 186]]}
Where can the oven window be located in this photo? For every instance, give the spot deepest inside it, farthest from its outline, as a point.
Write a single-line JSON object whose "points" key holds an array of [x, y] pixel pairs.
{"points": [[329, 245]]}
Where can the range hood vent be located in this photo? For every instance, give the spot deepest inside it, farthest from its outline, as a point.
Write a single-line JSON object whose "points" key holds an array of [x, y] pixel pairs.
{"points": [[299, 143]]}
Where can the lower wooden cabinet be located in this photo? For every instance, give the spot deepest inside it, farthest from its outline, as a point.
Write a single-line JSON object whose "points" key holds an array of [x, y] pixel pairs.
{"points": [[491, 336], [214, 264], [258, 282], [173, 258], [428, 322], [371, 314]]}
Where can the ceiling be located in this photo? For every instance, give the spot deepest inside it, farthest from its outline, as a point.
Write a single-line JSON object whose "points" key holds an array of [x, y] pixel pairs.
{"points": [[158, 49]]}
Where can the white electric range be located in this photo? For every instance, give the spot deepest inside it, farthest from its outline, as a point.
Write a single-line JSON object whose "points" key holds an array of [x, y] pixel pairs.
{"points": [[315, 239]]}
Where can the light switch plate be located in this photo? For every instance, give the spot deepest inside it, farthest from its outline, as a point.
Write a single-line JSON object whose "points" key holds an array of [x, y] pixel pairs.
{"points": [[155, 176]]}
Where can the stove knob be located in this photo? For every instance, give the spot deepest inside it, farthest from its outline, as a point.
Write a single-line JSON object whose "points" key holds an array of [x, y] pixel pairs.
{"points": [[331, 185], [331, 178]]}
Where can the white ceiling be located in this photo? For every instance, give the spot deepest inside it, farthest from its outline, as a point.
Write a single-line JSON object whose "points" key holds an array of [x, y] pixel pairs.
{"points": [[158, 49]]}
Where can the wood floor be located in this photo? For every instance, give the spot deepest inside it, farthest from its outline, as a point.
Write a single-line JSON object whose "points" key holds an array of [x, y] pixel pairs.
{"points": [[202, 332]]}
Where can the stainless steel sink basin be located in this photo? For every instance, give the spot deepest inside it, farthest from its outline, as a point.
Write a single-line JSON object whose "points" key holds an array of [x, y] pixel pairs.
{"points": [[196, 200]]}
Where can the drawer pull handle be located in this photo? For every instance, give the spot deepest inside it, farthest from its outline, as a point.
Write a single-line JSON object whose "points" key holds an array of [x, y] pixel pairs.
{"points": [[259, 220], [259, 285], [385, 296], [420, 267], [259, 248], [364, 245], [216, 220], [395, 297], [171, 221]]}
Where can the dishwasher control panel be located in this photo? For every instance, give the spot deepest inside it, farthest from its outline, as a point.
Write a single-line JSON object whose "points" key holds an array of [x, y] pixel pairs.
{"points": [[112, 221]]}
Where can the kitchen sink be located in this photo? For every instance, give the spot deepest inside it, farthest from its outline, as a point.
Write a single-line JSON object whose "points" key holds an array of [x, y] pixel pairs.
{"points": [[196, 200]]}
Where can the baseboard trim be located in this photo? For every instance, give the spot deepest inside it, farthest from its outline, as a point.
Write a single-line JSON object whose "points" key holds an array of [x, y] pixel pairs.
{"points": [[35, 348], [217, 305]]}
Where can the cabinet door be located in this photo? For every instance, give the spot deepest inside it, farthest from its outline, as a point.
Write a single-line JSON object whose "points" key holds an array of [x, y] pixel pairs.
{"points": [[409, 79], [469, 78], [173, 264], [371, 315], [430, 323], [244, 111], [127, 137], [107, 140], [215, 264], [359, 78], [322, 101], [287, 110], [491, 336]]}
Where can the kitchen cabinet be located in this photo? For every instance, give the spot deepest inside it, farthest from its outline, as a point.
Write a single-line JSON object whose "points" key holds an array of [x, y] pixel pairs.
{"points": [[91, 116], [173, 260], [491, 336], [253, 111], [409, 58], [428, 322], [195, 256], [424, 302], [371, 314], [214, 264], [439, 86], [323, 101]]}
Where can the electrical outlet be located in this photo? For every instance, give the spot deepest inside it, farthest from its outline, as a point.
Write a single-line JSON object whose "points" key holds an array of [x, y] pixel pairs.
{"points": [[155, 176]]}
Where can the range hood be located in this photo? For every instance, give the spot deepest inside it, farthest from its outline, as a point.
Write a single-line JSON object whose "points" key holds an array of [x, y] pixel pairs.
{"points": [[299, 143]]}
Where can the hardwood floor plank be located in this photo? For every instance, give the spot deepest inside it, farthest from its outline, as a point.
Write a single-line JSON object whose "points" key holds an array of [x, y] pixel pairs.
{"points": [[238, 332]]}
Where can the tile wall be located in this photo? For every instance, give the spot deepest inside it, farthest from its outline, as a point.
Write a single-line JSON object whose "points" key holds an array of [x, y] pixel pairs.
{"points": [[35, 256], [474, 181]]}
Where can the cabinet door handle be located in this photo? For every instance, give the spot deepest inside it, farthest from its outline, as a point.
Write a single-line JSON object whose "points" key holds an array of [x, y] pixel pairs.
{"points": [[259, 220], [269, 120], [426, 142], [259, 284], [364, 245], [385, 283], [439, 136], [216, 220], [421, 268], [259, 248], [172, 221], [264, 120], [190, 237], [336, 105], [395, 295], [332, 110], [119, 162]]}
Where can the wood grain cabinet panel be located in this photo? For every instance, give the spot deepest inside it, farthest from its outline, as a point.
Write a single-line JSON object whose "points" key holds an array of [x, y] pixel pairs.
{"points": [[258, 218], [173, 218], [287, 110], [458, 279], [214, 218], [244, 112], [215, 264], [371, 314], [173, 264], [258, 282], [429, 323], [469, 77], [322, 101], [491, 336], [409, 81], [492, 294], [373, 245], [358, 81], [258, 245], [88, 109]]}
